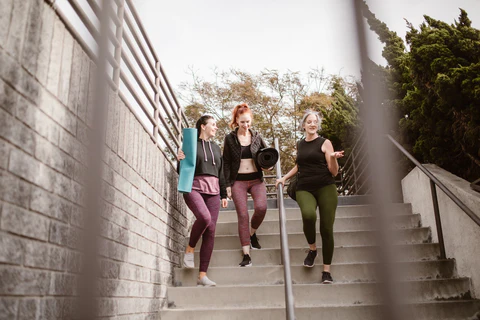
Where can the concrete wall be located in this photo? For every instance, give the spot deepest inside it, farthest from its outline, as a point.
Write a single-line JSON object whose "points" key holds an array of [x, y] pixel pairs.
{"points": [[461, 234], [45, 79]]}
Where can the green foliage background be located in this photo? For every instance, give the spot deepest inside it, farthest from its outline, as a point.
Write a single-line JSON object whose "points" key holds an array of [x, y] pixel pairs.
{"points": [[434, 90]]}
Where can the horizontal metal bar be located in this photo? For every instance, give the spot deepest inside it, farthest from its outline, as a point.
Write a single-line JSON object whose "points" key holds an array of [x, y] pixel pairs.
{"points": [[167, 142], [89, 24], [165, 109], [136, 56], [170, 92], [132, 91], [96, 9], [76, 35], [142, 29], [166, 92], [127, 103], [152, 84], [140, 83], [90, 53], [131, 26], [166, 95]]}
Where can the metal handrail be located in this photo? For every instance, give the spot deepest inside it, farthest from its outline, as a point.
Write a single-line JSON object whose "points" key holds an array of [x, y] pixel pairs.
{"points": [[435, 182], [289, 299], [166, 118], [350, 177]]}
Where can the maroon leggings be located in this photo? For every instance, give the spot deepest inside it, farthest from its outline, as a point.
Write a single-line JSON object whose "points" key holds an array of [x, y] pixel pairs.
{"points": [[205, 207], [239, 194]]}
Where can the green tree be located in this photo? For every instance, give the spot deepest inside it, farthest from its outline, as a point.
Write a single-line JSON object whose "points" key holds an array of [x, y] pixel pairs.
{"points": [[434, 90], [277, 100], [443, 107]]}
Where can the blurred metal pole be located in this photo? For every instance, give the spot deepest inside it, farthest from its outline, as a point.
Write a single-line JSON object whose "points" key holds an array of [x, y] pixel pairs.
{"points": [[89, 278], [289, 299], [381, 171]]}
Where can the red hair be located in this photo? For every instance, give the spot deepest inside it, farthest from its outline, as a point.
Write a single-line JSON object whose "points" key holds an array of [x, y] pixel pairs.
{"points": [[237, 112]]}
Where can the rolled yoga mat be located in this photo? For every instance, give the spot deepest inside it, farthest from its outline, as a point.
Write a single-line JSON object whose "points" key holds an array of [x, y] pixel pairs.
{"points": [[267, 157], [187, 165]]}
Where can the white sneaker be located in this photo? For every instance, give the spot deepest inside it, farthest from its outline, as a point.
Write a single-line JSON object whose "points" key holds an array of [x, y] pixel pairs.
{"points": [[188, 261], [205, 282]]}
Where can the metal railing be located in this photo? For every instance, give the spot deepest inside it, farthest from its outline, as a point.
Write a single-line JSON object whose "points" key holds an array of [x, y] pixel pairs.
{"points": [[353, 174], [354, 180], [136, 72], [434, 182], [289, 299]]}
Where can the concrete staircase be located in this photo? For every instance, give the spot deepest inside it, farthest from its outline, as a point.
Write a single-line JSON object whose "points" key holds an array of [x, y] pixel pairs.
{"points": [[432, 287]]}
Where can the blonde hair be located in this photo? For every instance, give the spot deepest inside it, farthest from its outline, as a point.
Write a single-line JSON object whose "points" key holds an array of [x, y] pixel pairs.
{"points": [[306, 114]]}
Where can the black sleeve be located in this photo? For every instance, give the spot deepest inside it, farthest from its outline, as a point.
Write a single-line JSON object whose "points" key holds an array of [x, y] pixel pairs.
{"points": [[296, 156], [223, 187], [227, 162], [262, 143]]}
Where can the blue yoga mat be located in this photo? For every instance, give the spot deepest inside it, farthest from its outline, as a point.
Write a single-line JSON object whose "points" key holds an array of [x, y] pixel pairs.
{"points": [[187, 165]]}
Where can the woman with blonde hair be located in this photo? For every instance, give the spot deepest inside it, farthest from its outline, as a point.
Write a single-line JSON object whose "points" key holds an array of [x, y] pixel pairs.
{"points": [[317, 166]]}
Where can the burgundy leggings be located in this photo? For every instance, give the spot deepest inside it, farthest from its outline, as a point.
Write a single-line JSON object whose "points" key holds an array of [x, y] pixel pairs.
{"points": [[239, 194], [205, 207]]}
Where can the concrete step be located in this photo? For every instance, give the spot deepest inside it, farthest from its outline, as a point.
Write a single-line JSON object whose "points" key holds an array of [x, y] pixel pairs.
{"points": [[349, 254], [309, 295], [342, 273], [432, 310], [289, 203], [341, 224], [342, 238], [342, 211]]}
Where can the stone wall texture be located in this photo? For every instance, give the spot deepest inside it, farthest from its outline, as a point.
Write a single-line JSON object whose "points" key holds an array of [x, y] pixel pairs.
{"points": [[45, 91]]}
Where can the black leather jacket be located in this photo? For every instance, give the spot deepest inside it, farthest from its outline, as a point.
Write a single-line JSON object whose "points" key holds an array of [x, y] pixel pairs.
{"points": [[232, 153]]}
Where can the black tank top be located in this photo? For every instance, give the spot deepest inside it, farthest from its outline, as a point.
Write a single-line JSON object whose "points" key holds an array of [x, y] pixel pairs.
{"points": [[312, 166], [246, 153]]}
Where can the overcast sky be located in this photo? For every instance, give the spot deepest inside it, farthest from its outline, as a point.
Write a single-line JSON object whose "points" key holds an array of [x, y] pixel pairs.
{"points": [[277, 34]]}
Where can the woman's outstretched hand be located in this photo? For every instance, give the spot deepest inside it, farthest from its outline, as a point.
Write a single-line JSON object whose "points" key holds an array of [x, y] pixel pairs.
{"points": [[337, 154]]}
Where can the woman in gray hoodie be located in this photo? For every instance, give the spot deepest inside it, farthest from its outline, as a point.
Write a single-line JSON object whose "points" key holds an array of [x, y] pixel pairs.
{"points": [[204, 199]]}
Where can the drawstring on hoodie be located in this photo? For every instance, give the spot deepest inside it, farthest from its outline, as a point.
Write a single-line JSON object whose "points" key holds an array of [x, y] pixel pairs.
{"points": [[211, 151], [205, 152]]}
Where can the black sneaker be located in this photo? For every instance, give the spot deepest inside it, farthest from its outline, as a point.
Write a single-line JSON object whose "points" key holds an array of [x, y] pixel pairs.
{"points": [[326, 277], [310, 259], [254, 244], [246, 262]]}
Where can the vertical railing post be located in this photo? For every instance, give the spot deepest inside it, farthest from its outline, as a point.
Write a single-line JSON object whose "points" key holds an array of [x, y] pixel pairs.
{"points": [[119, 36], [289, 300], [180, 113], [438, 221]]}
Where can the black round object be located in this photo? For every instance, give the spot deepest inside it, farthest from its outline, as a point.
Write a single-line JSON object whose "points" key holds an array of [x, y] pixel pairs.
{"points": [[267, 157]]}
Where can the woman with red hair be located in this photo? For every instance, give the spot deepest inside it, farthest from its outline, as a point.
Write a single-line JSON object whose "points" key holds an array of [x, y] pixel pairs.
{"points": [[243, 176]]}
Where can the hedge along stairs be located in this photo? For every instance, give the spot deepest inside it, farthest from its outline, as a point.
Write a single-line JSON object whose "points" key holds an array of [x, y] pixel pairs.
{"points": [[431, 287]]}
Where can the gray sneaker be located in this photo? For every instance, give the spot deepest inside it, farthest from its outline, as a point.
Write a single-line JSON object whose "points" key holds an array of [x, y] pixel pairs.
{"points": [[205, 282], [188, 261]]}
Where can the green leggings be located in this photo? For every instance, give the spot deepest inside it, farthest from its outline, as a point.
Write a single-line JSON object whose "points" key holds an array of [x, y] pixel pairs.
{"points": [[326, 199]]}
